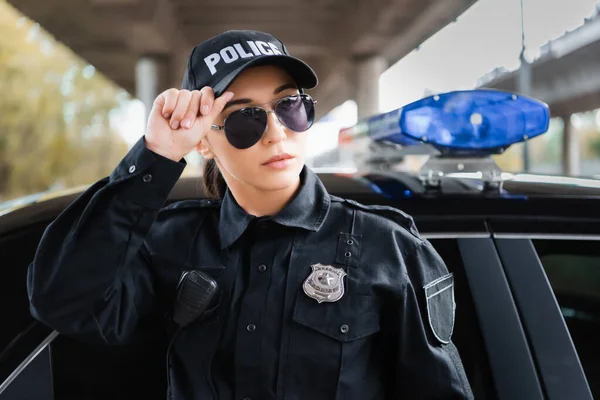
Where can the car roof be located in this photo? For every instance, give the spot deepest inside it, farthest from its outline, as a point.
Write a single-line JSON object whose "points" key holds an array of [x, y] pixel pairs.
{"points": [[459, 201], [349, 182]]}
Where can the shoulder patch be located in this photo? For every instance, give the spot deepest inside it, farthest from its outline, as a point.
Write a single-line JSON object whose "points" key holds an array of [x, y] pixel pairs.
{"points": [[394, 214]]}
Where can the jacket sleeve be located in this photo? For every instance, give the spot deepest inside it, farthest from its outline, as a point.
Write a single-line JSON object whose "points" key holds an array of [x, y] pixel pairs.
{"points": [[428, 365], [90, 277]]}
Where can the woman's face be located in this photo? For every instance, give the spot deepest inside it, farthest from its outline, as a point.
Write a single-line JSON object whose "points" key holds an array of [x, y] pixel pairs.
{"points": [[260, 86]]}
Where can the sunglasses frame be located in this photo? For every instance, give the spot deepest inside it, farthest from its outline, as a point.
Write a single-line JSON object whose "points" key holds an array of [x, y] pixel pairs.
{"points": [[272, 111]]}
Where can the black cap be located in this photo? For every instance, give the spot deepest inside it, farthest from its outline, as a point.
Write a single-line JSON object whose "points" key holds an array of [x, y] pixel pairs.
{"points": [[217, 61]]}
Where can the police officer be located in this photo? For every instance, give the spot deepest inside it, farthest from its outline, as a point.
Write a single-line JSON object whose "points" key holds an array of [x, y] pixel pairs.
{"points": [[316, 297]]}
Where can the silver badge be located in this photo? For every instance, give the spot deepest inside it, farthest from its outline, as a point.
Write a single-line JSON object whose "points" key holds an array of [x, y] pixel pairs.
{"points": [[325, 283]]}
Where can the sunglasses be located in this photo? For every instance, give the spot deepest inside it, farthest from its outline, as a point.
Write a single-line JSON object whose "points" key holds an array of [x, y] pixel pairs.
{"points": [[244, 127]]}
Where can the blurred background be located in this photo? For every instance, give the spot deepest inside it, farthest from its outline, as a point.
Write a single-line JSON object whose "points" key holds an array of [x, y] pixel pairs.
{"points": [[77, 78]]}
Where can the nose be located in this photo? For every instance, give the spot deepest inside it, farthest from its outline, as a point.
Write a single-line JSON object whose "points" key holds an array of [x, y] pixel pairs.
{"points": [[276, 132]]}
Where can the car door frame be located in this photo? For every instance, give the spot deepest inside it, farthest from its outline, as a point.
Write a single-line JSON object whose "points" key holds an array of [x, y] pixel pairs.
{"points": [[556, 357], [511, 362]]}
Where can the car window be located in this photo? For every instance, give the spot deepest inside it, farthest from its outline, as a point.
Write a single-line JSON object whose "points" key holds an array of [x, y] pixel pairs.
{"points": [[467, 335], [573, 269], [32, 379]]}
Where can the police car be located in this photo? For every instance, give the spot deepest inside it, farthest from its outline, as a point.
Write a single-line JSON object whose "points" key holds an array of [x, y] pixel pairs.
{"points": [[524, 250]]}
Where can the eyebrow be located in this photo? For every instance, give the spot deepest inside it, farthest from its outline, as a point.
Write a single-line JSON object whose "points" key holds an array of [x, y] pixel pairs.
{"points": [[246, 101]]}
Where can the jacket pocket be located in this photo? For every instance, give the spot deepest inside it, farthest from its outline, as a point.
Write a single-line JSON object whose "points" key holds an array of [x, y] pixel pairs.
{"points": [[330, 343]]}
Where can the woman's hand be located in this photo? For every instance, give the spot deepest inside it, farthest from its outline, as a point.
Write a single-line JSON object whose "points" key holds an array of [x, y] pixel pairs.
{"points": [[180, 119]]}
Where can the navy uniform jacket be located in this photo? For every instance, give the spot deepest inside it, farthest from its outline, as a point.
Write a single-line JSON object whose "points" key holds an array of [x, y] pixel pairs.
{"points": [[116, 254]]}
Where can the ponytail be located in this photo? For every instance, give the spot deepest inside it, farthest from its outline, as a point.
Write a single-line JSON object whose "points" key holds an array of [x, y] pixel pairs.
{"points": [[213, 183]]}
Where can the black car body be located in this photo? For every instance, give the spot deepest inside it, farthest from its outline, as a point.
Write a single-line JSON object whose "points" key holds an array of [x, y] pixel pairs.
{"points": [[526, 260]]}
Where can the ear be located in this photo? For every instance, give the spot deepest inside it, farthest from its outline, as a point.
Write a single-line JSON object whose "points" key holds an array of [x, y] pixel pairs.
{"points": [[204, 149]]}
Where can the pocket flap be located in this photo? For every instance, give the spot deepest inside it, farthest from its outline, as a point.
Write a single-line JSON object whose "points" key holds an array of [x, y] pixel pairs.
{"points": [[352, 317]]}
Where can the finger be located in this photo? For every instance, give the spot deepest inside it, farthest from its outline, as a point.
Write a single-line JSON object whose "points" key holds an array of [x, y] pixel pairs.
{"points": [[193, 110], [208, 98], [219, 104], [166, 101], [183, 101]]}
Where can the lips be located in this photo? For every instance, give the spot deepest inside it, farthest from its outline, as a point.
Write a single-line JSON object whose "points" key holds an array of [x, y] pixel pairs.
{"points": [[278, 157]]}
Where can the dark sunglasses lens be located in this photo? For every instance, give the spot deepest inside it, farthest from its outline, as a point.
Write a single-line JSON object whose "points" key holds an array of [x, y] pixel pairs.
{"points": [[296, 112], [245, 127]]}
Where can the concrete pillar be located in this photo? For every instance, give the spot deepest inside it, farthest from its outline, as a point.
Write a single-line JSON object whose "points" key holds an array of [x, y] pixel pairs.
{"points": [[571, 155], [177, 66], [367, 85], [149, 71]]}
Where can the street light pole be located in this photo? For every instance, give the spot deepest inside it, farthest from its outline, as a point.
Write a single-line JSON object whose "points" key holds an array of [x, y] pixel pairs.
{"points": [[524, 84]]}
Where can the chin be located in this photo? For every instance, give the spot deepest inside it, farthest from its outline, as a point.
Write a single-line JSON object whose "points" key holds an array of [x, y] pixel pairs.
{"points": [[278, 180]]}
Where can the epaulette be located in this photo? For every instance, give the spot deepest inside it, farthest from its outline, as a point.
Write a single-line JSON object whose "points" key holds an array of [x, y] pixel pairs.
{"points": [[394, 214], [190, 204]]}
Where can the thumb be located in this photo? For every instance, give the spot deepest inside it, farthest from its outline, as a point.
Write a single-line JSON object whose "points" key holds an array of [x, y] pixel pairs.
{"points": [[219, 105], [159, 104]]}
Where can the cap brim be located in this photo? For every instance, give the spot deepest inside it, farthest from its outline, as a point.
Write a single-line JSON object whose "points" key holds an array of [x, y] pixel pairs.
{"points": [[301, 72]]}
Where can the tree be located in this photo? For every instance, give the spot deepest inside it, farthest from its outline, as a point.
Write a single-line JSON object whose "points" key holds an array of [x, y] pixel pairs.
{"points": [[55, 112]]}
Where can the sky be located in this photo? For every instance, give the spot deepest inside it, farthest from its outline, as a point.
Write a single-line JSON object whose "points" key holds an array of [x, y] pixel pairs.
{"points": [[486, 36]]}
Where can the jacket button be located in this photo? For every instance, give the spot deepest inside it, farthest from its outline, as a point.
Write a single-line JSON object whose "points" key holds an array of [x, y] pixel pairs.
{"points": [[251, 327], [132, 169], [344, 328], [262, 267], [147, 178], [348, 254]]}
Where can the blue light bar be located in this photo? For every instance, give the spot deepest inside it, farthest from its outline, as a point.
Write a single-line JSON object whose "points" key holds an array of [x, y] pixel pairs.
{"points": [[382, 127], [482, 121]]}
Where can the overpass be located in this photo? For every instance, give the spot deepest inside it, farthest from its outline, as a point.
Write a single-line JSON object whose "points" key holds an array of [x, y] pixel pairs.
{"points": [[142, 45], [566, 76]]}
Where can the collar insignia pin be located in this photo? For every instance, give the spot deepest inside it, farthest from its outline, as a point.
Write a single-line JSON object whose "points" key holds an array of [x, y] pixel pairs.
{"points": [[325, 283]]}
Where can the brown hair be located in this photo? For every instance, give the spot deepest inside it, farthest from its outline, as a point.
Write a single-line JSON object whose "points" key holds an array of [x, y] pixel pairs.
{"points": [[213, 183]]}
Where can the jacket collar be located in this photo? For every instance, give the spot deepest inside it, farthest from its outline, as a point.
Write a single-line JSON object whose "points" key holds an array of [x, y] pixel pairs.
{"points": [[307, 210]]}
